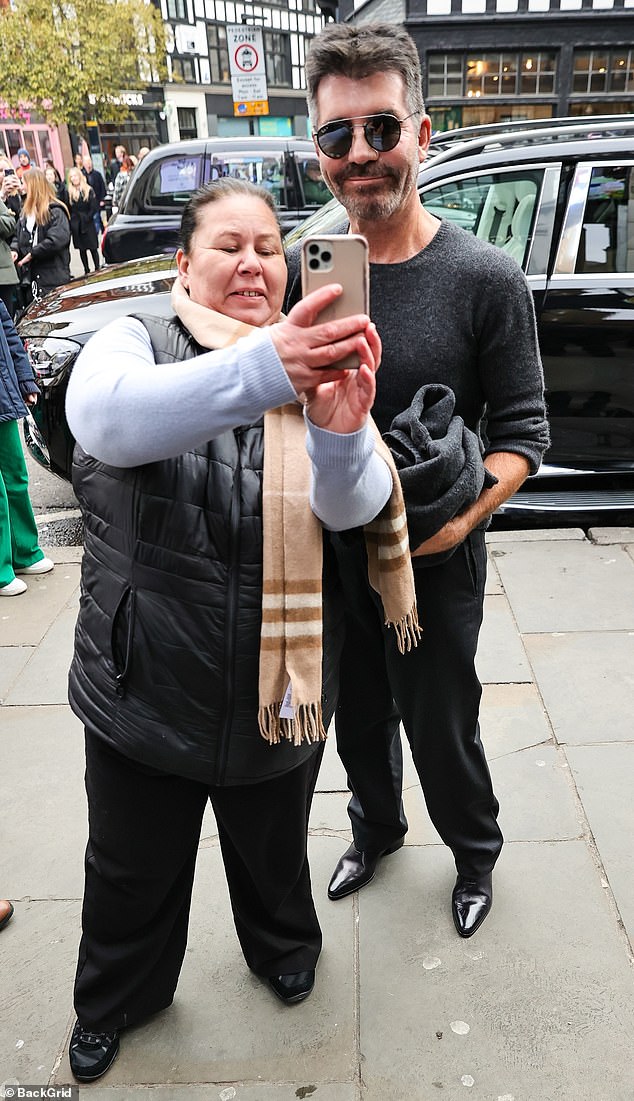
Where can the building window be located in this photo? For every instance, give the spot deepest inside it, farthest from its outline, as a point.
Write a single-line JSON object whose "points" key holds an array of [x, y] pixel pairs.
{"points": [[599, 71], [491, 74], [177, 10], [183, 69], [277, 53], [218, 53], [537, 74], [445, 75], [187, 127]]}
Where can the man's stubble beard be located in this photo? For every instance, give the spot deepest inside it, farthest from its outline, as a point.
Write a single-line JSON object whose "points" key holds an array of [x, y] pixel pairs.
{"points": [[378, 208]]}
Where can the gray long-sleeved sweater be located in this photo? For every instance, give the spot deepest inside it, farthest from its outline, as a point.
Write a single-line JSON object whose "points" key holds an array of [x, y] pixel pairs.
{"points": [[460, 313]]}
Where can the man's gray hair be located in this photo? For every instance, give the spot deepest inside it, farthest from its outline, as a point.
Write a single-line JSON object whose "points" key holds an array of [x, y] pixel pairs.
{"points": [[360, 50]]}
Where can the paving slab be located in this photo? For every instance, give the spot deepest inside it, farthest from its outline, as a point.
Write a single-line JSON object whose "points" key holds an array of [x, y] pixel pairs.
{"points": [[567, 586], [29, 617], [225, 1025], [44, 803], [587, 682], [603, 775], [12, 662], [501, 657], [493, 586], [64, 554], [607, 536], [536, 535], [44, 679], [512, 1013], [537, 799], [512, 717], [39, 957], [223, 1091]]}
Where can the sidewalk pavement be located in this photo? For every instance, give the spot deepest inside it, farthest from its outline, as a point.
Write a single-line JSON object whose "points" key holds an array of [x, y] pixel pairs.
{"points": [[538, 1006]]}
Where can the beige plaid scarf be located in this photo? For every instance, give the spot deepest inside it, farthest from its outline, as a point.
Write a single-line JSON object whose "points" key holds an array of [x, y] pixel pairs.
{"points": [[291, 636]]}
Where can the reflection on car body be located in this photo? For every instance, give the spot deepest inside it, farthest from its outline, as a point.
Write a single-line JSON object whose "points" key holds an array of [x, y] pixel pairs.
{"points": [[560, 200]]}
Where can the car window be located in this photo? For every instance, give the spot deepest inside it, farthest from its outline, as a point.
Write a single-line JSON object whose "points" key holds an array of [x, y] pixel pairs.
{"points": [[172, 181], [497, 207], [316, 191], [265, 169], [607, 235]]}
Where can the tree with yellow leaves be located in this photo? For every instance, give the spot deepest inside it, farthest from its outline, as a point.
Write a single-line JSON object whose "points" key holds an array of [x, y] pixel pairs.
{"points": [[70, 61]]}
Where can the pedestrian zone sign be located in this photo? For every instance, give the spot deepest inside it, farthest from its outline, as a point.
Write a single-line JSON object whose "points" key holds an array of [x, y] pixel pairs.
{"points": [[248, 70]]}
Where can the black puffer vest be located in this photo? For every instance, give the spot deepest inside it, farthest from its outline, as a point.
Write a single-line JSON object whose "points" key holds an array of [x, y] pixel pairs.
{"points": [[167, 640]]}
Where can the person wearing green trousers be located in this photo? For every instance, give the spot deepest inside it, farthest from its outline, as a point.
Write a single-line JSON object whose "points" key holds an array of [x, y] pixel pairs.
{"points": [[20, 552]]}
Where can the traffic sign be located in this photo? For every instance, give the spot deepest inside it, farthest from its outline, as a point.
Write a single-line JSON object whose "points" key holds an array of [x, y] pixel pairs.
{"points": [[248, 70]]}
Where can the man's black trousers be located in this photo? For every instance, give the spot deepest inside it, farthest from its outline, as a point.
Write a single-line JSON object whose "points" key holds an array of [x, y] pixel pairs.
{"points": [[144, 830], [434, 690]]}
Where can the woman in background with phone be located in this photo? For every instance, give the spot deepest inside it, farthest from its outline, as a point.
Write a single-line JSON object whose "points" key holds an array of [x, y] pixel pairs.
{"points": [[9, 198], [41, 244]]}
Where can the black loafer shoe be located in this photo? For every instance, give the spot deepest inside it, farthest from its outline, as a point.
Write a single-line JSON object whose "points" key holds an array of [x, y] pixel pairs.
{"points": [[91, 1054], [293, 988], [356, 868], [471, 901]]}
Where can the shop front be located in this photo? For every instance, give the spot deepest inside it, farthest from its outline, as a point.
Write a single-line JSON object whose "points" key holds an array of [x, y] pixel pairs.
{"points": [[43, 143], [145, 126]]}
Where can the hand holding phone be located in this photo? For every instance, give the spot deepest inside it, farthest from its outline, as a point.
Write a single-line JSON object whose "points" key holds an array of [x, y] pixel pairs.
{"points": [[338, 259]]}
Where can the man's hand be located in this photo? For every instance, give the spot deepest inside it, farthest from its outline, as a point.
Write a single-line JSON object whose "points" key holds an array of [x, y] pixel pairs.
{"points": [[511, 470], [25, 260], [310, 351]]}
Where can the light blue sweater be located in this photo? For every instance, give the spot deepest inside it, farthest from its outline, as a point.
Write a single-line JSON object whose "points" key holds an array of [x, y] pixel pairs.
{"points": [[126, 410]]}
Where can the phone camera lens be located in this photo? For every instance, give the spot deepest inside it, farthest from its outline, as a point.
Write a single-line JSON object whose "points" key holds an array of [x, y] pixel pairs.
{"points": [[313, 263], [326, 256], [313, 249]]}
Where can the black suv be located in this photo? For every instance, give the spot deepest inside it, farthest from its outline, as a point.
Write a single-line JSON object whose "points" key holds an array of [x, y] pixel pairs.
{"points": [[148, 221], [559, 197]]}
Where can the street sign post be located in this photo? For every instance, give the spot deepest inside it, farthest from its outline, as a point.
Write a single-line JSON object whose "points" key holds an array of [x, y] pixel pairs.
{"points": [[248, 70]]}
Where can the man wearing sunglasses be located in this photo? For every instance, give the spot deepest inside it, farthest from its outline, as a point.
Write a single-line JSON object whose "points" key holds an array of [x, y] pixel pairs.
{"points": [[450, 309]]}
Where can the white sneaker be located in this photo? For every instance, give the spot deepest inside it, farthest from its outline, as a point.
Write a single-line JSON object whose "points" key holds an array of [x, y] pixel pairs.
{"points": [[14, 588], [43, 566]]}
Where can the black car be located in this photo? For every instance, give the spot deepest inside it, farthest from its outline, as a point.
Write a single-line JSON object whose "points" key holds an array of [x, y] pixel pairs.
{"points": [[148, 221], [559, 197]]}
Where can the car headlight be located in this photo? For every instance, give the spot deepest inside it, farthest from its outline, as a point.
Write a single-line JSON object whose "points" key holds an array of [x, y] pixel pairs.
{"points": [[49, 356]]}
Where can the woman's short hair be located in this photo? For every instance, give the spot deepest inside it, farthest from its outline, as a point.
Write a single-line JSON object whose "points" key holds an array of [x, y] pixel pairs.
{"points": [[225, 188], [364, 49]]}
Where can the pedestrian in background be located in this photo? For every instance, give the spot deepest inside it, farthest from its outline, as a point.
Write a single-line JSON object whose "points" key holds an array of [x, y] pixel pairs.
{"points": [[11, 186], [454, 310], [83, 207], [120, 152], [41, 245], [8, 275], [98, 184], [20, 552], [57, 183], [24, 162], [122, 181]]}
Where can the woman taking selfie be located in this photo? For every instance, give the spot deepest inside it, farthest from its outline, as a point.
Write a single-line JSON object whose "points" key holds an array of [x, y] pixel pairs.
{"points": [[41, 245], [207, 643]]}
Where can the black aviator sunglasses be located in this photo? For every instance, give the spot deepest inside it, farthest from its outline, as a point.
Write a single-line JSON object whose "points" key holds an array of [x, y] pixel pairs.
{"points": [[382, 132]]}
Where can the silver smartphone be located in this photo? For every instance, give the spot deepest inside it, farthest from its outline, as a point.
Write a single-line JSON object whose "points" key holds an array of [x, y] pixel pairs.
{"points": [[338, 259]]}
